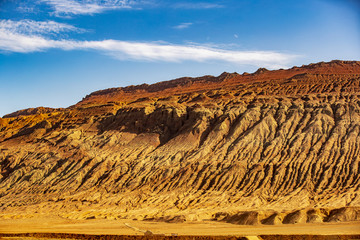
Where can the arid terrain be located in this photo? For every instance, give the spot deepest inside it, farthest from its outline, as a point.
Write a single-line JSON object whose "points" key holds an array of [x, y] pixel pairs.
{"points": [[276, 150]]}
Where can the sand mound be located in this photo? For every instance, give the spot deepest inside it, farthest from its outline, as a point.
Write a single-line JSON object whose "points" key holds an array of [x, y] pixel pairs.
{"points": [[295, 217], [243, 218], [168, 219], [343, 215], [290, 217], [274, 219]]}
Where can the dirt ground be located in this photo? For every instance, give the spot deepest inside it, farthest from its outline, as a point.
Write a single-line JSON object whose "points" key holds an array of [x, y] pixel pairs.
{"points": [[205, 228]]}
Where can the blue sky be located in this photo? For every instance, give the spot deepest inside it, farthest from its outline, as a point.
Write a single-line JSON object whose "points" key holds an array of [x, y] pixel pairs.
{"points": [[54, 52]]}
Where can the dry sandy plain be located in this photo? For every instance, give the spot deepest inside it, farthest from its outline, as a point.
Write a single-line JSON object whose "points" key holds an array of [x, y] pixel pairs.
{"points": [[126, 227]]}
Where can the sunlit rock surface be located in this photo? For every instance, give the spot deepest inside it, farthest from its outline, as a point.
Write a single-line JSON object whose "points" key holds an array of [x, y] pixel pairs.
{"points": [[273, 147]]}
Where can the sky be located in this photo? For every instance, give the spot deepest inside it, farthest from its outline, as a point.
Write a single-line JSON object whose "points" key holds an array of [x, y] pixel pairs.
{"points": [[55, 52]]}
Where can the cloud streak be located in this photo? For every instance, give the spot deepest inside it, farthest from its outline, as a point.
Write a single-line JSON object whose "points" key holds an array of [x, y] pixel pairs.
{"points": [[198, 5], [183, 25], [89, 7], [33, 40], [86, 7], [30, 27], [179, 53]]}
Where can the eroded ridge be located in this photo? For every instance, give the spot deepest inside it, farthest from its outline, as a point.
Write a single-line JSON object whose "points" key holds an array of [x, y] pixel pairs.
{"points": [[254, 149]]}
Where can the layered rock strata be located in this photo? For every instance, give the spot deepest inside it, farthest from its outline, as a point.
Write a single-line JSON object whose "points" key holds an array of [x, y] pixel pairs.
{"points": [[273, 147]]}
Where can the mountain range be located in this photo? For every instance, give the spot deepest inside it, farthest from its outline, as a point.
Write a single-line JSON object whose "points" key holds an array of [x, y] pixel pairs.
{"points": [[269, 147]]}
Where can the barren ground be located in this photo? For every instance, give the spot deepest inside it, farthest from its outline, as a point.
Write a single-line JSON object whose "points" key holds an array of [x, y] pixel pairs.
{"points": [[118, 227]]}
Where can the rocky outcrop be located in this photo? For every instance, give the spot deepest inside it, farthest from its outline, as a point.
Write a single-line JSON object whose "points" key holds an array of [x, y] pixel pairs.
{"points": [[275, 147], [315, 74], [31, 111]]}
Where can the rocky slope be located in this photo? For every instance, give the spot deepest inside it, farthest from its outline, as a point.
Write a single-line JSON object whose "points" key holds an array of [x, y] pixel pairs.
{"points": [[270, 147]]}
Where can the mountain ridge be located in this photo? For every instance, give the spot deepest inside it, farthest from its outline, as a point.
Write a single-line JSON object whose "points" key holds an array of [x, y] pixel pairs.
{"points": [[337, 66], [272, 147], [183, 81]]}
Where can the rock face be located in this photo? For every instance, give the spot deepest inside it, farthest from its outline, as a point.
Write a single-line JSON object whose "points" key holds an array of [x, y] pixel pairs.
{"points": [[31, 111], [273, 147]]}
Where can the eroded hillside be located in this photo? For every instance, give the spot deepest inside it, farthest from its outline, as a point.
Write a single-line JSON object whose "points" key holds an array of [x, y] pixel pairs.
{"points": [[265, 148]]}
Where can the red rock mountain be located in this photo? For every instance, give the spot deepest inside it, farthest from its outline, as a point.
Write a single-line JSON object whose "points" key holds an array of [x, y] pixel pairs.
{"points": [[270, 147]]}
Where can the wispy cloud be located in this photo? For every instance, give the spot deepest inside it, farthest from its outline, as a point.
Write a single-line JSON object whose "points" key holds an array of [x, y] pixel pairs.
{"points": [[197, 5], [31, 36], [30, 27], [85, 7], [179, 53], [25, 7], [33, 40], [183, 25]]}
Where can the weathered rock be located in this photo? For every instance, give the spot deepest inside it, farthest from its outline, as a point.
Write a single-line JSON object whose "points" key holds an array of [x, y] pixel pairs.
{"points": [[260, 148]]}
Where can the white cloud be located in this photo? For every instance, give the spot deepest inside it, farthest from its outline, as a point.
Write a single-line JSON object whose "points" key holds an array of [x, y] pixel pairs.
{"points": [[199, 5], [33, 40], [30, 36], [31, 27], [183, 25], [178, 53], [84, 7], [26, 9]]}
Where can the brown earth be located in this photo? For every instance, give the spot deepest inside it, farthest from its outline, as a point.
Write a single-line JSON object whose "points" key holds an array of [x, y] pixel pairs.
{"points": [[53, 236], [95, 227], [268, 148]]}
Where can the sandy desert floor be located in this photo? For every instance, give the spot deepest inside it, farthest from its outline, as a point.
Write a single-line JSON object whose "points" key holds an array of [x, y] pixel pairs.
{"points": [[128, 227]]}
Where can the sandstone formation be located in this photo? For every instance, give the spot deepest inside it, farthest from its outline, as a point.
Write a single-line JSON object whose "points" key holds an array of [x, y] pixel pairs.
{"points": [[272, 147]]}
